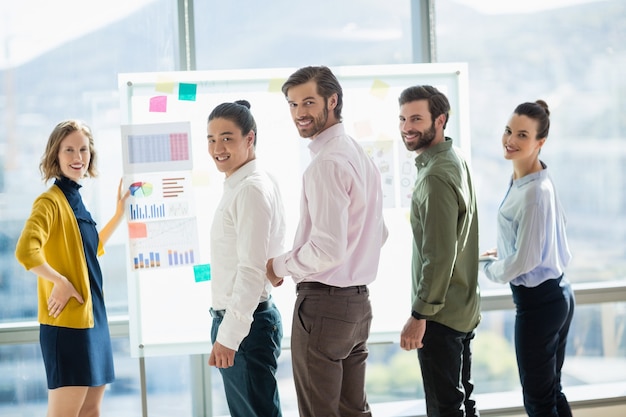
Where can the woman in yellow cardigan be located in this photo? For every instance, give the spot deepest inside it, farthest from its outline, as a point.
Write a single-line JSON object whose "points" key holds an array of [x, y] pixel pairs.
{"points": [[60, 244]]}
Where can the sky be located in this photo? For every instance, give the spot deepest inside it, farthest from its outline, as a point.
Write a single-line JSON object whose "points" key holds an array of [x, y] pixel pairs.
{"points": [[27, 31], [519, 6]]}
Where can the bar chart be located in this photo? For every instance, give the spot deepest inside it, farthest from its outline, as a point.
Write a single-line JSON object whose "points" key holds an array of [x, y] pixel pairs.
{"points": [[165, 244], [146, 211], [147, 260]]}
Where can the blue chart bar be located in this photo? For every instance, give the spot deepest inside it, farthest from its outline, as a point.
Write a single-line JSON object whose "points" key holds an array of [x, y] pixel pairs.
{"points": [[148, 260], [179, 258], [147, 211]]}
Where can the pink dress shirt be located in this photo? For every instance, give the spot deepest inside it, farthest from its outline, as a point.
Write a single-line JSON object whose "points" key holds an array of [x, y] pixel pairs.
{"points": [[341, 227]]}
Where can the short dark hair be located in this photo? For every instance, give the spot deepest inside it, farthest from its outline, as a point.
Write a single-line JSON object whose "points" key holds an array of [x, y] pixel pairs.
{"points": [[537, 111], [238, 113], [327, 84], [438, 103]]}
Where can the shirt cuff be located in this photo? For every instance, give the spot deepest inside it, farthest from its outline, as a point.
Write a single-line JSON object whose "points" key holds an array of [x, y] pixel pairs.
{"points": [[279, 265], [418, 316]]}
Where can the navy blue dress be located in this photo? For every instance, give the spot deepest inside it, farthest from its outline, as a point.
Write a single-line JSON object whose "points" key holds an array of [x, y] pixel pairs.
{"points": [[80, 357]]}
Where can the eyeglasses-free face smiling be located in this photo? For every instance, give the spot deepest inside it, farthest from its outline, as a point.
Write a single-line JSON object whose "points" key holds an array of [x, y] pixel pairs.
{"points": [[74, 155], [228, 146], [311, 112], [519, 140], [416, 126]]}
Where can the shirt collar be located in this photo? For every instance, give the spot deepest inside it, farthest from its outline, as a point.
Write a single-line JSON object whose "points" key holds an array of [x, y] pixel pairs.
{"points": [[67, 184], [241, 173], [520, 182], [424, 158], [325, 136]]}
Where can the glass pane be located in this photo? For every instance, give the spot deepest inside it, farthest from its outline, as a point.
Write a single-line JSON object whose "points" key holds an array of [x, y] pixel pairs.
{"points": [[55, 66], [573, 55], [596, 354], [288, 34], [23, 390]]}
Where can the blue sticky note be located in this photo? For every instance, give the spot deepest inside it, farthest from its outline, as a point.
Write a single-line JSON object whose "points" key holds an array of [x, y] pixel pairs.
{"points": [[202, 272], [187, 91]]}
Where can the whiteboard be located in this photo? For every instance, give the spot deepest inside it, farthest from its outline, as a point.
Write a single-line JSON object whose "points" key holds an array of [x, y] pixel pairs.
{"points": [[169, 304]]}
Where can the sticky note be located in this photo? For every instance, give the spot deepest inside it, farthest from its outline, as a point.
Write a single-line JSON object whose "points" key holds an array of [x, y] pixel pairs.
{"points": [[164, 84], [200, 178], [187, 91], [202, 272], [137, 230], [363, 128], [158, 104], [379, 89], [276, 85]]}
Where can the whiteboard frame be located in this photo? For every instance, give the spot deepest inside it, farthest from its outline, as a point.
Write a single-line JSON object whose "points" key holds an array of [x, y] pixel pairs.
{"points": [[139, 86]]}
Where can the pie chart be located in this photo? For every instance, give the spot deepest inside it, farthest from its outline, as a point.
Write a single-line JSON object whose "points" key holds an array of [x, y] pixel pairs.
{"points": [[140, 189]]}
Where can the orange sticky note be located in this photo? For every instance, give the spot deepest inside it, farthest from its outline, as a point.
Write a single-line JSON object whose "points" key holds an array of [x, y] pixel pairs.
{"points": [[137, 230]]}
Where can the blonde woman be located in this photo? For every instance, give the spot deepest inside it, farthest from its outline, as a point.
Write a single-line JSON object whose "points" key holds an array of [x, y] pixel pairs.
{"points": [[60, 244]]}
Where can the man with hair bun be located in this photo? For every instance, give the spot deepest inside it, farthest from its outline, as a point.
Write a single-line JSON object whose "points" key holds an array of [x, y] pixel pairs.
{"points": [[248, 228]]}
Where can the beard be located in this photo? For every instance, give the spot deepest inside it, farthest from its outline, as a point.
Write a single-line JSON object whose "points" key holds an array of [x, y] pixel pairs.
{"points": [[319, 122], [424, 139]]}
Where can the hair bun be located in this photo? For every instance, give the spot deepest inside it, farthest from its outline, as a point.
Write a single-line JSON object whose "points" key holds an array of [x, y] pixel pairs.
{"points": [[244, 103], [544, 106]]}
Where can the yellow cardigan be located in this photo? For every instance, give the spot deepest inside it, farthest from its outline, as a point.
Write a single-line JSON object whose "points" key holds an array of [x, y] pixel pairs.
{"points": [[51, 234]]}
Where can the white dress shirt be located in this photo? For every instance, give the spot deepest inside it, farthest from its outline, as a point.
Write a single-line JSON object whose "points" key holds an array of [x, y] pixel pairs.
{"points": [[341, 227], [248, 229]]}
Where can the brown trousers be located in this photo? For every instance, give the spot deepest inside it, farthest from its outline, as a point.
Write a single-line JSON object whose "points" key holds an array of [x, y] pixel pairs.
{"points": [[329, 350]]}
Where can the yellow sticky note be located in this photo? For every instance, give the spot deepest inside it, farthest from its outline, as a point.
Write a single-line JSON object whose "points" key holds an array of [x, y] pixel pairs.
{"points": [[164, 84], [379, 89], [276, 85]]}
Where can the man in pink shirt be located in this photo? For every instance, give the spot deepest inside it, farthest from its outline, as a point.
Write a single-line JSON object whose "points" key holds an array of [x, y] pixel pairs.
{"points": [[335, 253]]}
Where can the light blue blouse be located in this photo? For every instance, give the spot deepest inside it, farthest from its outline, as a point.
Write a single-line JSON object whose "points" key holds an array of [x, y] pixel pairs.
{"points": [[532, 242]]}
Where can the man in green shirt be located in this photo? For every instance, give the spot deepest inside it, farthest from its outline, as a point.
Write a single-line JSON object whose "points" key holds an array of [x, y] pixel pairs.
{"points": [[444, 219]]}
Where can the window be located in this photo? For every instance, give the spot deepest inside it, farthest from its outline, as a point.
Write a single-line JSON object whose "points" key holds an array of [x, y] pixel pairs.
{"points": [[568, 54], [573, 56]]}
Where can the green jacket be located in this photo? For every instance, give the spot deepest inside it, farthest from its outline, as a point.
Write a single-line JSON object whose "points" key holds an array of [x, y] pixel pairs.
{"points": [[51, 234], [444, 219]]}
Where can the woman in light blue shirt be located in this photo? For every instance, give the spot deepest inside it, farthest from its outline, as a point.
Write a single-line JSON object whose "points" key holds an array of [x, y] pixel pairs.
{"points": [[532, 254]]}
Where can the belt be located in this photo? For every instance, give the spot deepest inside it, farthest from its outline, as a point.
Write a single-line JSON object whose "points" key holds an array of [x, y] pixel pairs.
{"points": [[263, 306], [330, 289]]}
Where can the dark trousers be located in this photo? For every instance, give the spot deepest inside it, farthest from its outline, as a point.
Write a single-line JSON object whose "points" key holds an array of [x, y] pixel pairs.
{"points": [[329, 351], [542, 321], [446, 362], [250, 385]]}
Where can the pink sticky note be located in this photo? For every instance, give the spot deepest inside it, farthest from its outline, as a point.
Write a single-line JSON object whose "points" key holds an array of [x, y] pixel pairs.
{"points": [[158, 104], [363, 128]]}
